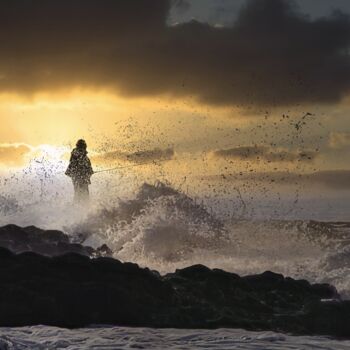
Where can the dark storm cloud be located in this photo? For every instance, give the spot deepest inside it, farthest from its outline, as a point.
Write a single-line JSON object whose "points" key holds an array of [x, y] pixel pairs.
{"points": [[271, 55], [152, 155], [181, 5], [256, 153]]}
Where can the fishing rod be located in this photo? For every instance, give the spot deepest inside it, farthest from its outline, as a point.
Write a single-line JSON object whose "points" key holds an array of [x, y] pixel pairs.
{"points": [[154, 162], [131, 166]]}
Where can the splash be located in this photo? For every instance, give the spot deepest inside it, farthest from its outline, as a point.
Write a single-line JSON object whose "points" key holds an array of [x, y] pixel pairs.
{"points": [[159, 224], [165, 229]]}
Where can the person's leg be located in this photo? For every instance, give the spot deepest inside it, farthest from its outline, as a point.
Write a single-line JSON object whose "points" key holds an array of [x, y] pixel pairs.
{"points": [[81, 192], [85, 192], [76, 191]]}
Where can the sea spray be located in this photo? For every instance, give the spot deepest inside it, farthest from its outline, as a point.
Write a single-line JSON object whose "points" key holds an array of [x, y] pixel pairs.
{"points": [[165, 229]]}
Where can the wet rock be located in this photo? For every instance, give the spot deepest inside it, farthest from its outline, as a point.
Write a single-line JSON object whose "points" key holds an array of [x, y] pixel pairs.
{"points": [[74, 290], [45, 242]]}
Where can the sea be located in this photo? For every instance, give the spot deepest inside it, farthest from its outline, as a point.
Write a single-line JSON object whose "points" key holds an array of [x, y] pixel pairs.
{"points": [[165, 228], [113, 338]]}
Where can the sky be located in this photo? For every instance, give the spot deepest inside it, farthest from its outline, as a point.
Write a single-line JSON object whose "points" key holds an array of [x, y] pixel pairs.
{"points": [[222, 91], [225, 12]]}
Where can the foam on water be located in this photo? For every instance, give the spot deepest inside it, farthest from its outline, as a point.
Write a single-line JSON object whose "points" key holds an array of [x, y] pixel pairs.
{"points": [[108, 338]]}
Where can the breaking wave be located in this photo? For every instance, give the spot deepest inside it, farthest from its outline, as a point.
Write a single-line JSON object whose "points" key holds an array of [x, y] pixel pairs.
{"points": [[164, 229]]}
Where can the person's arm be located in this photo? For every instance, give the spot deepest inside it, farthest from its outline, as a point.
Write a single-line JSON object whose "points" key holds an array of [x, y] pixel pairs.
{"points": [[70, 165], [91, 171]]}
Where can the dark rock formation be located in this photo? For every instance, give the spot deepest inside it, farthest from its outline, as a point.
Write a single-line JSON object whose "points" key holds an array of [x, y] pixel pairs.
{"points": [[74, 291], [44, 242]]}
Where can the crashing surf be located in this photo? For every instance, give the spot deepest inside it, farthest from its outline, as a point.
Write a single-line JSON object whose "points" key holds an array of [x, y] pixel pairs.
{"points": [[164, 229]]}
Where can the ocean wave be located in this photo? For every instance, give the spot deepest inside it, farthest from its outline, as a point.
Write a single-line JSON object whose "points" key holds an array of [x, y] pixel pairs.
{"points": [[165, 229]]}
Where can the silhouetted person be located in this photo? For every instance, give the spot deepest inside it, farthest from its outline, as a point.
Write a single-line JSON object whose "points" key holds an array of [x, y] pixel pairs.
{"points": [[80, 171]]}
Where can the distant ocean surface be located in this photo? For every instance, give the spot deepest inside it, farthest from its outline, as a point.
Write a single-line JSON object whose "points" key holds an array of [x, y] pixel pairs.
{"points": [[108, 338]]}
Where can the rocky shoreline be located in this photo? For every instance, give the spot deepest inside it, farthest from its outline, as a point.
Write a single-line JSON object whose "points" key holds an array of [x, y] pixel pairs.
{"points": [[75, 290]]}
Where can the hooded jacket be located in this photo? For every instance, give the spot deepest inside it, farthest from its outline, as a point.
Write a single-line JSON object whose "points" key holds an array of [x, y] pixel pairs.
{"points": [[79, 168]]}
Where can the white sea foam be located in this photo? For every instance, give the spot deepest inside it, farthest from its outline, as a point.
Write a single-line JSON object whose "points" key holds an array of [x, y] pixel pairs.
{"points": [[108, 338], [169, 231], [162, 229]]}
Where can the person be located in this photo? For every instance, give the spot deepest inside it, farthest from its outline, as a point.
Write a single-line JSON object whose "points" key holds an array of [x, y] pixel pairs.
{"points": [[80, 171]]}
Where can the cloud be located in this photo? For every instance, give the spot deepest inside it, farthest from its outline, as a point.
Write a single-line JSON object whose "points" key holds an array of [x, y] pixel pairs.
{"points": [[336, 179], [181, 6], [271, 55], [13, 154], [153, 155], [338, 140], [332, 179], [270, 155]]}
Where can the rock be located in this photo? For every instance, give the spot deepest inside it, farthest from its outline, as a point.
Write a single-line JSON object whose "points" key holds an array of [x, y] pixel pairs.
{"points": [[4, 345], [74, 290], [104, 250], [45, 242]]}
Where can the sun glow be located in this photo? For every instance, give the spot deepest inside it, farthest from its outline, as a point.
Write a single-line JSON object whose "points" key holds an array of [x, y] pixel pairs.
{"points": [[52, 153]]}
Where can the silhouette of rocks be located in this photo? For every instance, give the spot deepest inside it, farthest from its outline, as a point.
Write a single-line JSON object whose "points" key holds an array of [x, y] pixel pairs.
{"points": [[44, 242], [73, 290]]}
